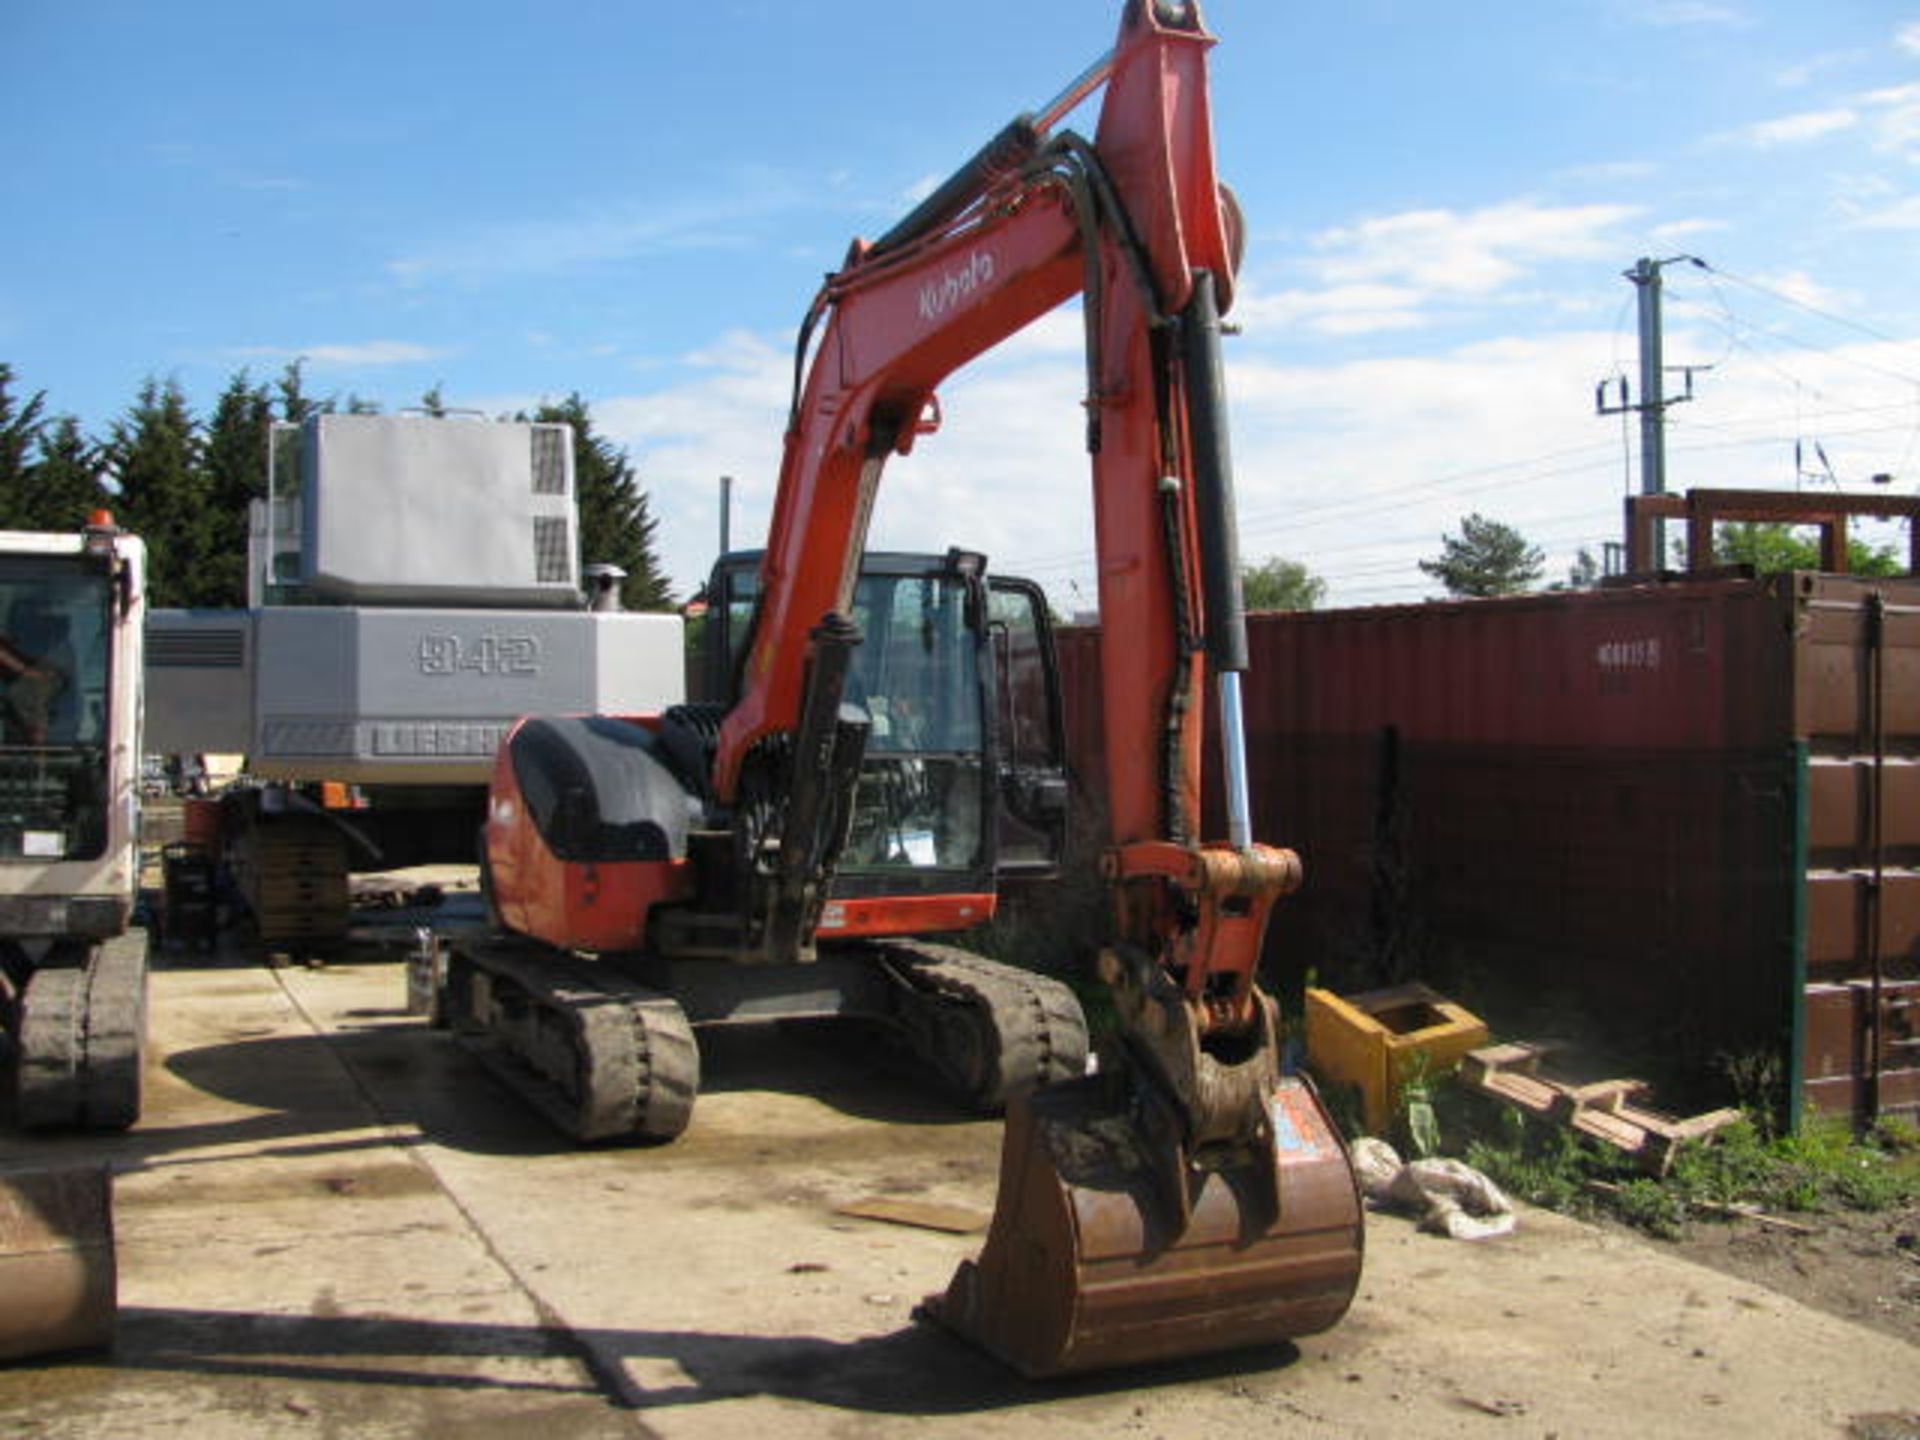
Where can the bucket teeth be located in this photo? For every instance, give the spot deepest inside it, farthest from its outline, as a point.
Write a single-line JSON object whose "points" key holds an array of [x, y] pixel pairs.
{"points": [[1102, 1253]]}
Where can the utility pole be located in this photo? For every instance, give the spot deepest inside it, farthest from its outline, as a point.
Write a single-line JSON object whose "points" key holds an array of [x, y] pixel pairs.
{"points": [[1654, 400], [1653, 397], [726, 513]]}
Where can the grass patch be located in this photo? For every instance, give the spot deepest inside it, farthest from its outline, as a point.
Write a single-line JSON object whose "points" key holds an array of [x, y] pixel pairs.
{"points": [[1823, 1168]]}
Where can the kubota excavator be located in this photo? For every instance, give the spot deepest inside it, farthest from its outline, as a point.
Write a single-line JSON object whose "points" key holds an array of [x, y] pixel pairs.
{"points": [[1191, 1196]]}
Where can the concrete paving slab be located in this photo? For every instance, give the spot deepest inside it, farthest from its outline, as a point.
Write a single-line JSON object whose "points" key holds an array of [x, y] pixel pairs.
{"points": [[333, 1221], [286, 1265]]}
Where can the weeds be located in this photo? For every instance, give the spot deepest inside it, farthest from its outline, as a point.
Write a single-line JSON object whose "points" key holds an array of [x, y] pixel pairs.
{"points": [[1823, 1167], [1416, 1121], [1651, 1206], [1548, 1168]]}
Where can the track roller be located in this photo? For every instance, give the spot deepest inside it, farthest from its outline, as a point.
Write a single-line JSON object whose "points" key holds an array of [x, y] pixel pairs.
{"points": [[602, 1057]]}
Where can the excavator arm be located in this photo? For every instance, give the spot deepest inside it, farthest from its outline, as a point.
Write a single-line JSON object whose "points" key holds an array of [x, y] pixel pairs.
{"points": [[1193, 1197]]}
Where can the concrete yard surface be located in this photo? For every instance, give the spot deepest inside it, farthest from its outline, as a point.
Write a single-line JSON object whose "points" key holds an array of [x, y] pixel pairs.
{"points": [[332, 1221]]}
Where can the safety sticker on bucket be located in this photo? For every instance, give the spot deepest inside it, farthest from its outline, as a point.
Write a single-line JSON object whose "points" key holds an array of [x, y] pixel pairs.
{"points": [[1299, 1133]]}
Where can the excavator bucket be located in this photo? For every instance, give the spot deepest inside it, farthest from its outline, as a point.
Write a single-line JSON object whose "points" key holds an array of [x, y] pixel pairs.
{"points": [[58, 1282], [1109, 1248]]}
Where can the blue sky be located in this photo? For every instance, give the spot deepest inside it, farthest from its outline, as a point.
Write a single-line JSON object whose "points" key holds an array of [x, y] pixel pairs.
{"points": [[636, 202]]}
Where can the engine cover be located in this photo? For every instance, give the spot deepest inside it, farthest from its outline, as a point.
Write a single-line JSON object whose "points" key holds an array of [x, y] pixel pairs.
{"points": [[596, 789]]}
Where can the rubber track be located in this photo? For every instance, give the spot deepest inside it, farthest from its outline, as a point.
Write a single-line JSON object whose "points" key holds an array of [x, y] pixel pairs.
{"points": [[82, 1040], [1035, 1030], [636, 1067]]}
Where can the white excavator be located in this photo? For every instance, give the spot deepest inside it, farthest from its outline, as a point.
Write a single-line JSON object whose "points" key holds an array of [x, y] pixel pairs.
{"points": [[72, 967]]}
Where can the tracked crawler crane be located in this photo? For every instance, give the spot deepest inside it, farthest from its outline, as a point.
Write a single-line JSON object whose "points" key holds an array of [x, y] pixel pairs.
{"points": [[1189, 1198]]}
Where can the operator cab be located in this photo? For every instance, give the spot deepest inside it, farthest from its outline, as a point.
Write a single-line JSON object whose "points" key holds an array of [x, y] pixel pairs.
{"points": [[964, 772], [55, 612]]}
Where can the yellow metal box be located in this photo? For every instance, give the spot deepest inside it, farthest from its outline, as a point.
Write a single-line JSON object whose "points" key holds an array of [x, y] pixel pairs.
{"points": [[1379, 1040]]}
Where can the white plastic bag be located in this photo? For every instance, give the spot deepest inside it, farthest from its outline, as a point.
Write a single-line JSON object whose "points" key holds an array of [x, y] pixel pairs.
{"points": [[1450, 1198]]}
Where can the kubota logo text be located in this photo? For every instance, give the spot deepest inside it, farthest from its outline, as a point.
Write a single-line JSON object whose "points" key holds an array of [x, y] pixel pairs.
{"points": [[937, 297]]}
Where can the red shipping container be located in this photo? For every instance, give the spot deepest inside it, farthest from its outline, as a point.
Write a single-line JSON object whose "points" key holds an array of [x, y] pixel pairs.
{"points": [[1685, 815]]}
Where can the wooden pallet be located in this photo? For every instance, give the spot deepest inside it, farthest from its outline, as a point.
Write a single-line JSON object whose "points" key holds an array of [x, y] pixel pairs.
{"points": [[1610, 1111], [292, 872]]}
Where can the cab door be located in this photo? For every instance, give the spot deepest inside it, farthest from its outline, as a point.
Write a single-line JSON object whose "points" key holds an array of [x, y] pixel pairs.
{"points": [[1030, 790]]}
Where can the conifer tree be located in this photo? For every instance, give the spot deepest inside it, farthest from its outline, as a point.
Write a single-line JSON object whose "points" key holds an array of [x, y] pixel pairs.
{"points": [[19, 434], [295, 404], [155, 454], [1486, 558], [236, 475], [63, 483]]}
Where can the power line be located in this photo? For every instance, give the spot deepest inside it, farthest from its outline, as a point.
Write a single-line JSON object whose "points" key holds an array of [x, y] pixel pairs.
{"points": [[1787, 338], [1798, 304], [1695, 422]]}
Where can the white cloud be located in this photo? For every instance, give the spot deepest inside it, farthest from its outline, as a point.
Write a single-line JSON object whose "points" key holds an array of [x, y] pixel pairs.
{"points": [[1338, 310], [1799, 286], [1907, 37], [1890, 117], [1798, 129], [1476, 252], [367, 353], [1799, 76], [1895, 117], [725, 416], [1680, 230], [1903, 214]]}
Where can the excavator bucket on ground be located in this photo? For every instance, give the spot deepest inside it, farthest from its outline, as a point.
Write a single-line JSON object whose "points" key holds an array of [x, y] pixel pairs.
{"points": [[58, 1281], [1110, 1246]]}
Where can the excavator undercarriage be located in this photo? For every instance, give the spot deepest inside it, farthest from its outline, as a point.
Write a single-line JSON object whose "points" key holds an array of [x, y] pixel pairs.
{"points": [[607, 1056]]}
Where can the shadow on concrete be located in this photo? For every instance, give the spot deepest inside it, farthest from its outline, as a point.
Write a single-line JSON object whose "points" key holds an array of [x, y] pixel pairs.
{"points": [[917, 1370], [377, 931], [856, 1066], [412, 1075]]}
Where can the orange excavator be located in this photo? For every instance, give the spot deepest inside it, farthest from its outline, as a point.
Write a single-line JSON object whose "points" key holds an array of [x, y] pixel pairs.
{"points": [[1191, 1196]]}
